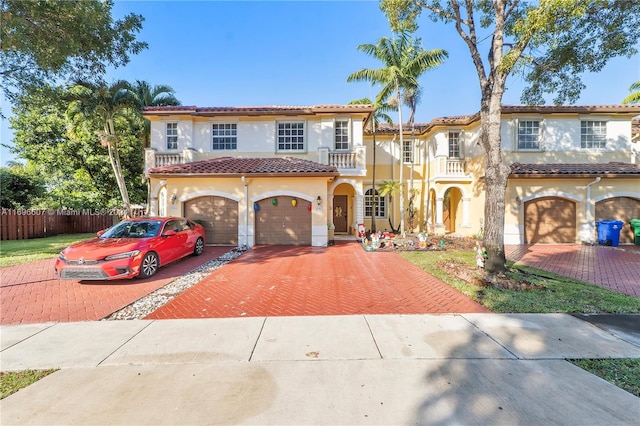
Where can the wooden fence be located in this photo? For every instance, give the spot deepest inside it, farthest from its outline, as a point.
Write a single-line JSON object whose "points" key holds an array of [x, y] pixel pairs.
{"points": [[26, 224]]}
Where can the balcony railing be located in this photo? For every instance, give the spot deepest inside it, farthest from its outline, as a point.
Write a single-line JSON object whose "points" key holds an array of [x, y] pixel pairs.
{"points": [[455, 167], [153, 158], [351, 162], [342, 160]]}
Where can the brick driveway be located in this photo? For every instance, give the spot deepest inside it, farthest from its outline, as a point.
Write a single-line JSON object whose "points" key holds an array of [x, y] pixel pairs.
{"points": [[338, 280], [29, 293], [617, 269]]}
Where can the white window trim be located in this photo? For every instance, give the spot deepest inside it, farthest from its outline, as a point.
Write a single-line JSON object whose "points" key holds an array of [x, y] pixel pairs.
{"points": [[516, 134], [211, 123], [410, 142], [604, 120], [460, 143], [349, 133], [166, 136], [304, 137], [386, 204]]}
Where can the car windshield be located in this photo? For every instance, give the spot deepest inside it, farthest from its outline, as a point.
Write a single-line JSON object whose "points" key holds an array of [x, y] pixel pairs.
{"points": [[134, 229]]}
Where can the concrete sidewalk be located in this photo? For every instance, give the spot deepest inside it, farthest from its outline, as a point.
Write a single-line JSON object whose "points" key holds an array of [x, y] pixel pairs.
{"points": [[360, 369]]}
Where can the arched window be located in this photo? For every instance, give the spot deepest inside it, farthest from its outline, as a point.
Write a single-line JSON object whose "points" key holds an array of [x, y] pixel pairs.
{"points": [[380, 208]]}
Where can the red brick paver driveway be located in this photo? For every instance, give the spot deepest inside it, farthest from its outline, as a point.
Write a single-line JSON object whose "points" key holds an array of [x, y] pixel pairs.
{"points": [[617, 269], [338, 280], [30, 294]]}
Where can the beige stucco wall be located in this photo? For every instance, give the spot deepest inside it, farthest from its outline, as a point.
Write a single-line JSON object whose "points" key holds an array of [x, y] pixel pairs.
{"points": [[519, 191], [245, 193]]}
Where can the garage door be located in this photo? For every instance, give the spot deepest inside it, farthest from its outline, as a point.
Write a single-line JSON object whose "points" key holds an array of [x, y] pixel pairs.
{"points": [[550, 220], [279, 222], [619, 208], [218, 215]]}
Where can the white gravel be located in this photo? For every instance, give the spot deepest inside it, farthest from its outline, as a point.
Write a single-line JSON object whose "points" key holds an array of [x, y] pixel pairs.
{"points": [[149, 303]]}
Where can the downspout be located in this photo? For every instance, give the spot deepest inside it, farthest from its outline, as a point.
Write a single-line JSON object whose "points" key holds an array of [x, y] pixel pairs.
{"points": [[589, 228], [246, 213]]}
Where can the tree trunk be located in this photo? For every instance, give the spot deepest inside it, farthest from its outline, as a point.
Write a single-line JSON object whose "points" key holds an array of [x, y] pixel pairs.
{"points": [[374, 192], [401, 195], [496, 176]]}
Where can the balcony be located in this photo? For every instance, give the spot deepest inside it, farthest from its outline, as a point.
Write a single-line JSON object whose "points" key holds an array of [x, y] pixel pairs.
{"points": [[348, 163], [450, 168], [153, 158]]}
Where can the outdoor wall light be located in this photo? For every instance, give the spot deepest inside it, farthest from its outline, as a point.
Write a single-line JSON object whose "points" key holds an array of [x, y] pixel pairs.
{"points": [[294, 202], [318, 200], [174, 198]]}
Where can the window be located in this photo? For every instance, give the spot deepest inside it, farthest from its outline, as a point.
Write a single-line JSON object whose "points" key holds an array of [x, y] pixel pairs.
{"points": [[291, 136], [454, 144], [380, 208], [407, 151], [342, 135], [172, 135], [593, 134], [528, 134], [224, 136]]}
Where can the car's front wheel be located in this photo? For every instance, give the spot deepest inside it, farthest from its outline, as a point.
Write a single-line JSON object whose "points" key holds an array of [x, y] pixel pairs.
{"points": [[150, 264], [199, 248]]}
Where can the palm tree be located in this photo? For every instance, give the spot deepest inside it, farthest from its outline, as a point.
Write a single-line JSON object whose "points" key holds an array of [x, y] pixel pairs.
{"points": [[104, 103], [634, 97], [379, 114], [148, 95], [405, 60]]}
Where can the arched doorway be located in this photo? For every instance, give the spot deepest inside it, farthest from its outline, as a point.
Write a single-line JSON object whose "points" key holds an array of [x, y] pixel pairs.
{"points": [[450, 206]]}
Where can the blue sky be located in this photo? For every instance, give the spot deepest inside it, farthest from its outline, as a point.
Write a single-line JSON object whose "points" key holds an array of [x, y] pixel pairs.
{"points": [[244, 53]]}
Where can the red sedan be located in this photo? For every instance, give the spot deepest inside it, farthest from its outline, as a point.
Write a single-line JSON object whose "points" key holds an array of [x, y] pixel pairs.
{"points": [[135, 247]]}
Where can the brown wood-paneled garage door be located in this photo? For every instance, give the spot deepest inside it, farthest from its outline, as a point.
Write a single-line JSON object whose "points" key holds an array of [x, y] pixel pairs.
{"points": [[281, 223], [620, 208], [550, 220], [218, 215]]}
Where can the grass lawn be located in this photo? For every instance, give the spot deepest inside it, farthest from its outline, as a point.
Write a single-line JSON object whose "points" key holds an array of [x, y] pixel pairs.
{"points": [[624, 372], [561, 294], [23, 251], [12, 382]]}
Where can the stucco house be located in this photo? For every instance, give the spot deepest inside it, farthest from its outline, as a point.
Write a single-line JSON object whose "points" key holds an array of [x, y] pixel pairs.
{"points": [[298, 174]]}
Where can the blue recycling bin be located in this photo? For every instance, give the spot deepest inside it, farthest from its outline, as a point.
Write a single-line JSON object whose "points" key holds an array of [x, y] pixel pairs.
{"points": [[609, 232]]}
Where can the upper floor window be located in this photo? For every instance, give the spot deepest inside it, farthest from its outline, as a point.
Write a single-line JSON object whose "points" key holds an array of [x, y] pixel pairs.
{"points": [[380, 207], [341, 135], [529, 134], [172, 135], [407, 150], [224, 136], [593, 134], [454, 144], [290, 136]]}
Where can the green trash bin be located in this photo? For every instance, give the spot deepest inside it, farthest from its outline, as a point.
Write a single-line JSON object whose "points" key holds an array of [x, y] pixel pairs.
{"points": [[635, 226]]}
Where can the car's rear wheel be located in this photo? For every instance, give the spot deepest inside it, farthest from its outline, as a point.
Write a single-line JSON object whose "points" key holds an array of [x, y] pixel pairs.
{"points": [[199, 248], [150, 264]]}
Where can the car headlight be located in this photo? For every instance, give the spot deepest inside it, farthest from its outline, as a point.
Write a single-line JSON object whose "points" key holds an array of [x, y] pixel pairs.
{"points": [[61, 257], [123, 255]]}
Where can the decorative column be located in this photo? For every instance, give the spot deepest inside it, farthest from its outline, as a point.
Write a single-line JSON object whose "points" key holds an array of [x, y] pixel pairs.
{"points": [[466, 221], [358, 212], [439, 206]]}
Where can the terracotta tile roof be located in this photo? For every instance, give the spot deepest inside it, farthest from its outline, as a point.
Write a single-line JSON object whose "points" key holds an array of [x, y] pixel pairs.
{"points": [[280, 166], [465, 120], [579, 109], [259, 110], [573, 170]]}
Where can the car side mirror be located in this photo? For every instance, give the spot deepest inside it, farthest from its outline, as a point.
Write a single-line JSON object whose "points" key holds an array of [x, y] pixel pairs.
{"points": [[169, 233], [99, 233]]}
